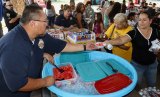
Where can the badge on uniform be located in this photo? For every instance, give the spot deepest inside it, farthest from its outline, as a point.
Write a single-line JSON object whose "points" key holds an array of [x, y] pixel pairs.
{"points": [[8, 15], [41, 44], [71, 18]]}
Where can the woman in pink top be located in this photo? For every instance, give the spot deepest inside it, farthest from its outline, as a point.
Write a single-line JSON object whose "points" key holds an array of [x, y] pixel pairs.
{"points": [[98, 24]]}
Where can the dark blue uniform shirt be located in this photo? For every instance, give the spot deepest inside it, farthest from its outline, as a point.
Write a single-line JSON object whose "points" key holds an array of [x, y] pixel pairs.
{"points": [[8, 15], [62, 21], [20, 58], [1, 10]]}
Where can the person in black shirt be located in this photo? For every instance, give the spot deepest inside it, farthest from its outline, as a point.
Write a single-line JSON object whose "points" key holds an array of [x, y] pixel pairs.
{"points": [[144, 60], [1, 15], [10, 16], [65, 21], [156, 21]]}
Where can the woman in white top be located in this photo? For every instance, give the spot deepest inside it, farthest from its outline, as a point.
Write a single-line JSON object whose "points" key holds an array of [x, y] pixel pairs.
{"points": [[50, 12], [132, 19]]}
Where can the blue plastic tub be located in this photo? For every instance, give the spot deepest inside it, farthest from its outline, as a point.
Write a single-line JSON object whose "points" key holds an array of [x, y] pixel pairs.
{"points": [[89, 56]]}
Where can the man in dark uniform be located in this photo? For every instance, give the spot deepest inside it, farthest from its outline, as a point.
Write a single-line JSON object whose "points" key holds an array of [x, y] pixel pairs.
{"points": [[1, 14], [10, 16], [22, 51]]}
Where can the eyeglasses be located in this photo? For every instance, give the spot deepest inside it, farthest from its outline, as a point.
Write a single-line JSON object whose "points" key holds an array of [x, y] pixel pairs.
{"points": [[9, 5], [46, 21]]}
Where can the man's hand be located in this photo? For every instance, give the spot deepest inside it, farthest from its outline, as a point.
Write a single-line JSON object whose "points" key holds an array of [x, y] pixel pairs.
{"points": [[34, 84], [90, 46], [48, 57], [49, 80]]}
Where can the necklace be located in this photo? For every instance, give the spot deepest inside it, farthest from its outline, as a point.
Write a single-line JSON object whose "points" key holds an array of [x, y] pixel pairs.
{"points": [[146, 34]]}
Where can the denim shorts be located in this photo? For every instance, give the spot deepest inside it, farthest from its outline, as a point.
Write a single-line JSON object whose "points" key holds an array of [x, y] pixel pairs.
{"points": [[149, 72]]}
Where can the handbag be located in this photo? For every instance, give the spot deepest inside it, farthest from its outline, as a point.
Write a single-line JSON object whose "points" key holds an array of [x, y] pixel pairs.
{"points": [[110, 51]]}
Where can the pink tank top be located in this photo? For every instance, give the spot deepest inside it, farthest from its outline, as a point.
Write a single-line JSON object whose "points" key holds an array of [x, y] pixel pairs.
{"points": [[97, 28]]}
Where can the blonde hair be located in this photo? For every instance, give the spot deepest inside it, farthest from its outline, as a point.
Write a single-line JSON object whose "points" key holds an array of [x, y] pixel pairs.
{"points": [[121, 18]]}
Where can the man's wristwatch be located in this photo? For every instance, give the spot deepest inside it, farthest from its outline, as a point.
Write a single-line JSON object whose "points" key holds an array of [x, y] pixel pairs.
{"points": [[84, 46]]}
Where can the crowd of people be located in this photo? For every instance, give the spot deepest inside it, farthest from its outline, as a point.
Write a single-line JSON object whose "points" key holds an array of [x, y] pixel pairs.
{"points": [[143, 60], [130, 29]]}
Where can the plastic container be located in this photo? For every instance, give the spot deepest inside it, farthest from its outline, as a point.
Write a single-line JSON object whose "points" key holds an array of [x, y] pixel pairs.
{"points": [[100, 44], [90, 71], [93, 71], [67, 81], [104, 64], [76, 58], [112, 83]]}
